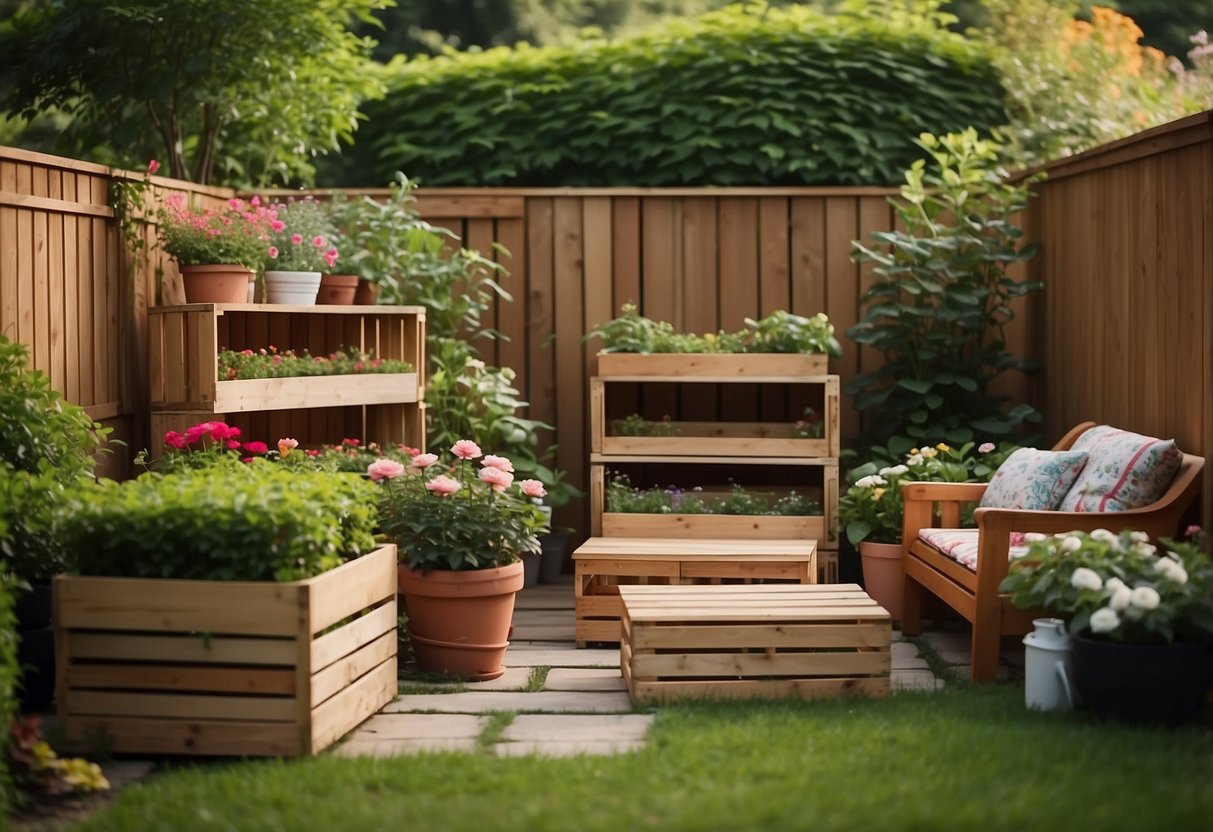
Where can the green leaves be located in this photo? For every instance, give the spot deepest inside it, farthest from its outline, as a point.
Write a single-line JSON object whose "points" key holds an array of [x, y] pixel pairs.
{"points": [[740, 96]]}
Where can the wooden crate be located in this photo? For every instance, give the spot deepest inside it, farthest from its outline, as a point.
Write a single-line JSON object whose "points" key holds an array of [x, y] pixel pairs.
{"points": [[752, 440], [763, 641], [603, 564], [184, 388], [241, 668], [723, 367]]}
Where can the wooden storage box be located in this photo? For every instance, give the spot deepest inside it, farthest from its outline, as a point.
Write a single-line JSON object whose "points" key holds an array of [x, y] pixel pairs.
{"points": [[240, 668], [767, 641], [754, 367], [184, 388], [603, 564]]}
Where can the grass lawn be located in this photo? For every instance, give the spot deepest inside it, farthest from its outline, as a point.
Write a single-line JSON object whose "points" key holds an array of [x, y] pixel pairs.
{"points": [[966, 758]]}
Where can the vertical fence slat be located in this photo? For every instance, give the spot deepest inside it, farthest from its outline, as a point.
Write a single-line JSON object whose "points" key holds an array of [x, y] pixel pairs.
{"points": [[569, 272]]}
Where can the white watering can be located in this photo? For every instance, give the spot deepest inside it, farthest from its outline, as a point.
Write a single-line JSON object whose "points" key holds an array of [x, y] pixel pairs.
{"points": [[1046, 654]]}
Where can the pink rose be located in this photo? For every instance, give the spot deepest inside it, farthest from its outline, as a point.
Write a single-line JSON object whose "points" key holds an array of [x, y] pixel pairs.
{"points": [[296, 239], [985, 447], [443, 485], [273, 252], [532, 488], [384, 469], [500, 480], [153, 166], [318, 241], [174, 440], [424, 460], [465, 449], [498, 462], [277, 225], [286, 445]]}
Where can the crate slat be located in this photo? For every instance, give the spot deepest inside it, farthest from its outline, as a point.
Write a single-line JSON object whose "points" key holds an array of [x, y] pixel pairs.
{"points": [[346, 671], [334, 645], [251, 680], [182, 706], [333, 719], [770, 635], [184, 648], [722, 367], [134, 735], [651, 692]]}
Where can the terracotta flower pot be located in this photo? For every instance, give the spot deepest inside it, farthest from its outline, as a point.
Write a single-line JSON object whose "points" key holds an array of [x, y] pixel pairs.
{"points": [[366, 293], [459, 622], [884, 575], [337, 289], [217, 283]]}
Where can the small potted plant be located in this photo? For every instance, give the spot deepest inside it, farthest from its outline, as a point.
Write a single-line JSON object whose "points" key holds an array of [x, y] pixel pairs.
{"points": [[217, 250], [461, 529], [1140, 617], [245, 607], [299, 251]]}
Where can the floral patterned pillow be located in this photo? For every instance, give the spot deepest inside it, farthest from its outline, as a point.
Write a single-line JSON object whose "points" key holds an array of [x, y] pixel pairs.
{"points": [[1124, 470], [1034, 480]]}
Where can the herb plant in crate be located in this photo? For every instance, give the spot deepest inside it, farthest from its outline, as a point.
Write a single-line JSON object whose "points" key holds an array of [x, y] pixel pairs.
{"points": [[1141, 618], [461, 529], [245, 608]]}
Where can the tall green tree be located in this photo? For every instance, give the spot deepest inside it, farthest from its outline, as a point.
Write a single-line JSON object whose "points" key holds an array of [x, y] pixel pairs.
{"points": [[220, 90]]}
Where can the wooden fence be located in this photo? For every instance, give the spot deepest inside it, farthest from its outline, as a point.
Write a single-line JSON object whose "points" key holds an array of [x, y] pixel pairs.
{"points": [[1124, 328], [1126, 234]]}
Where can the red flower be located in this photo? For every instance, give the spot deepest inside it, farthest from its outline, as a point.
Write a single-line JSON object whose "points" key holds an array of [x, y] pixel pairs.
{"points": [[256, 448], [174, 440]]}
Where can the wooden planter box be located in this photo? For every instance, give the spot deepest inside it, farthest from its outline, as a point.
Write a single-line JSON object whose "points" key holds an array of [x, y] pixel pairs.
{"points": [[753, 367], [239, 668]]}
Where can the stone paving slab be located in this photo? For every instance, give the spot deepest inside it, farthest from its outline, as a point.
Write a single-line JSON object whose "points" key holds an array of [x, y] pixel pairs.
{"points": [[514, 678], [544, 632], [555, 748], [554, 654], [584, 678], [577, 727], [472, 702], [357, 747], [393, 726], [915, 680]]}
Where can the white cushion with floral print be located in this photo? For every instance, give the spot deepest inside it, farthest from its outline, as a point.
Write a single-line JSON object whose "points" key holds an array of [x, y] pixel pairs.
{"points": [[1124, 470], [1034, 480], [961, 544]]}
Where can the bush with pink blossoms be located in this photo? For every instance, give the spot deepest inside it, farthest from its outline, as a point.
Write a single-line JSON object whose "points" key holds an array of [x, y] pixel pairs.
{"points": [[469, 513], [237, 234], [302, 238]]}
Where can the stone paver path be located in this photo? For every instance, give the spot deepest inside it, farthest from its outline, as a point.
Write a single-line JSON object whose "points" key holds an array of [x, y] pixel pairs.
{"points": [[583, 706]]}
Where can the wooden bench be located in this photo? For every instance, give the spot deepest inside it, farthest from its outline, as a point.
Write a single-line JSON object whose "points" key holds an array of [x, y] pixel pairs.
{"points": [[767, 641], [602, 564]]}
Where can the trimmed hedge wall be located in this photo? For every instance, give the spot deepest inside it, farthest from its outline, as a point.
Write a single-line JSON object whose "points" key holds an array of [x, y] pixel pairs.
{"points": [[738, 97]]}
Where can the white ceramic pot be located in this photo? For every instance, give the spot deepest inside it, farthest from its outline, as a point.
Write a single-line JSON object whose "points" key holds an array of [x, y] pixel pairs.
{"points": [[292, 288]]}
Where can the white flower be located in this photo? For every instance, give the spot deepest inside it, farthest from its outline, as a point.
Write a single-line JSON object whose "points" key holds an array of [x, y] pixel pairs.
{"points": [[1139, 537], [870, 480], [1171, 570], [1034, 537], [1121, 597], [1084, 578], [1104, 620], [1145, 597], [1113, 584], [1103, 536], [893, 471], [985, 447], [1071, 544], [914, 459], [1145, 549]]}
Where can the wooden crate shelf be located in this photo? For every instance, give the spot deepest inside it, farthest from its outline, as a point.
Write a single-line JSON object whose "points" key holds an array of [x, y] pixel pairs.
{"points": [[184, 387], [604, 564], [239, 668], [720, 367], [752, 642]]}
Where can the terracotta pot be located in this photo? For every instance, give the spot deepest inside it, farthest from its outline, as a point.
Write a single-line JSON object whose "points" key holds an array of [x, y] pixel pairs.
{"points": [[366, 294], [337, 289], [217, 283], [459, 622], [884, 575]]}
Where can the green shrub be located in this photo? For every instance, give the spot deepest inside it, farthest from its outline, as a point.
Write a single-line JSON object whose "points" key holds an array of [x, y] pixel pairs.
{"points": [[9, 674], [229, 521], [741, 96], [46, 445], [779, 332]]}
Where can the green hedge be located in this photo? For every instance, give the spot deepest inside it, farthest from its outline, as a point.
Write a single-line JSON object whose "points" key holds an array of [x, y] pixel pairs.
{"points": [[9, 677], [738, 97]]}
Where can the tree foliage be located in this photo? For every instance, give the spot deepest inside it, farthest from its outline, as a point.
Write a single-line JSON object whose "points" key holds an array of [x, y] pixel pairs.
{"points": [[740, 96], [221, 90]]}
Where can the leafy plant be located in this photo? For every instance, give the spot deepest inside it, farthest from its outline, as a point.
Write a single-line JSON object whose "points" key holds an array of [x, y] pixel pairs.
{"points": [[1119, 587], [10, 669], [746, 95], [269, 362], [624, 498], [300, 238], [455, 517], [636, 425], [941, 298], [39, 772], [225, 521], [46, 446], [779, 332], [238, 233]]}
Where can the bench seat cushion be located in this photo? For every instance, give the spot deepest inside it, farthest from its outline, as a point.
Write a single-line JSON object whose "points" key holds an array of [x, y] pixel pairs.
{"points": [[961, 545]]}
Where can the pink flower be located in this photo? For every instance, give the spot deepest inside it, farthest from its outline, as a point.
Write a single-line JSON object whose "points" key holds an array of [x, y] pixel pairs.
{"points": [[255, 201], [174, 439], [318, 241], [235, 204], [465, 449], [498, 462], [500, 480], [985, 447], [443, 485], [153, 166], [273, 252], [1191, 531], [286, 445], [296, 239], [424, 460], [384, 469], [277, 225], [532, 488], [256, 448]]}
